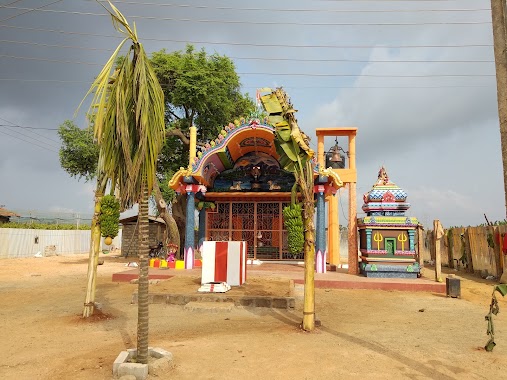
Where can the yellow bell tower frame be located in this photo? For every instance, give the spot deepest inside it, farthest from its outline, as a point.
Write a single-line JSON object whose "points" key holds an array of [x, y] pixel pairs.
{"points": [[349, 177]]}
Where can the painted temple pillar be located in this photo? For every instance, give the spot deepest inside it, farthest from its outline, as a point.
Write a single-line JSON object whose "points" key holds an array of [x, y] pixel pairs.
{"points": [[191, 190], [353, 258], [189, 228], [202, 226], [320, 241], [333, 230]]}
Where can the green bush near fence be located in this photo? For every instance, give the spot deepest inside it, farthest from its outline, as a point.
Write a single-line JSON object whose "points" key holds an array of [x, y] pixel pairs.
{"points": [[44, 226]]}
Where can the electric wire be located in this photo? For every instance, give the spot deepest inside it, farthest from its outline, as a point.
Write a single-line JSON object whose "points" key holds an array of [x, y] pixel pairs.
{"points": [[258, 22], [28, 130], [27, 10], [189, 41], [256, 58], [282, 74], [412, 87], [29, 142], [285, 10]]}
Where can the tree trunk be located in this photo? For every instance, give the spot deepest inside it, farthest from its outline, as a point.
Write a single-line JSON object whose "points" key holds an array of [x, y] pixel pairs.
{"points": [[173, 234], [89, 304], [500, 46], [143, 304]]}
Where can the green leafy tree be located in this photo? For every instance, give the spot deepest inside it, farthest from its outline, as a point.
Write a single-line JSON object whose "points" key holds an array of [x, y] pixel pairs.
{"points": [[78, 154], [200, 90]]}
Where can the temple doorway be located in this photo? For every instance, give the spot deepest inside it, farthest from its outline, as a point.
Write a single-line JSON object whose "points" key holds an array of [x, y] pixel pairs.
{"points": [[258, 223]]}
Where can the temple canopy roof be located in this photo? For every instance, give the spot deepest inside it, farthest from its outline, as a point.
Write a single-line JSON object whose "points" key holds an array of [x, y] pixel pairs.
{"points": [[385, 197], [241, 143], [233, 143]]}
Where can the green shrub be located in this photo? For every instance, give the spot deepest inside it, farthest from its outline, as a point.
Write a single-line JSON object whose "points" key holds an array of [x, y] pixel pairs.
{"points": [[44, 226]]}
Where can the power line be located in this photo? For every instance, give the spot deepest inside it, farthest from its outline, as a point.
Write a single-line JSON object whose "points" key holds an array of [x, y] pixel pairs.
{"points": [[373, 75], [28, 10], [54, 45], [264, 73], [286, 74], [35, 133], [306, 10], [252, 44], [50, 60], [259, 22], [254, 87], [19, 126], [252, 58], [385, 1], [29, 142]]}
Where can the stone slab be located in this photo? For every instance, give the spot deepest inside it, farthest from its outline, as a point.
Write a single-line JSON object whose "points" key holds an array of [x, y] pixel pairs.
{"points": [[161, 361], [140, 371], [390, 274], [382, 284], [123, 357], [245, 301]]}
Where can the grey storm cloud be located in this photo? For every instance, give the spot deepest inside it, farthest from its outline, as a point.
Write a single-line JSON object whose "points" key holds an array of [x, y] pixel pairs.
{"points": [[441, 144]]}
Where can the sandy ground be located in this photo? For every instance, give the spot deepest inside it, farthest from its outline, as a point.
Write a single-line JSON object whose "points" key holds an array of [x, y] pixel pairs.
{"points": [[364, 334]]}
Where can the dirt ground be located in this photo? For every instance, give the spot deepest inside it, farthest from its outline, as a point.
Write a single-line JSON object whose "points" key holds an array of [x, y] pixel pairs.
{"points": [[364, 335]]}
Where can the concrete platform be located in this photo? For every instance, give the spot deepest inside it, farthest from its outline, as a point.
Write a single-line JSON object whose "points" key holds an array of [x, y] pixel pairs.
{"points": [[133, 274], [220, 298], [338, 279]]}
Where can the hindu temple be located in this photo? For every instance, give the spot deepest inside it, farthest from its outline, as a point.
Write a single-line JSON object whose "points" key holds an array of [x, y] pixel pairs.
{"points": [[386, 234], [240, 188]]}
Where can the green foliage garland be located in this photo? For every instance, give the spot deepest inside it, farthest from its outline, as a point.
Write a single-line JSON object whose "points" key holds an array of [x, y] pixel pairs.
{"points": [[293, 222], [109, 217]]}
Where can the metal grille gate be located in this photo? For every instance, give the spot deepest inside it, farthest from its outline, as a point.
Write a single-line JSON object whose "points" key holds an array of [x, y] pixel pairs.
{"points": [[260, 224]]}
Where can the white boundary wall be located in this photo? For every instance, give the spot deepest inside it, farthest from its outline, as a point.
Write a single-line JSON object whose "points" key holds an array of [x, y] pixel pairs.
{"points": [[17, 242]]}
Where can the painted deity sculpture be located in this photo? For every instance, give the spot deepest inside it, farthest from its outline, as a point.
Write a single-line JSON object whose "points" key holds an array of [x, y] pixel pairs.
{"points": [[386, 235]]}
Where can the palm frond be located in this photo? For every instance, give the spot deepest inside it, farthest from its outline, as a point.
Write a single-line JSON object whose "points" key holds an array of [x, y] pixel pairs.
{"points": [[128, 105]]}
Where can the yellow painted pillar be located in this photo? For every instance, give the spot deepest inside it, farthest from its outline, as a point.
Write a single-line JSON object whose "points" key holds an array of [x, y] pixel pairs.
{"points": [[333, 230], [353, 257], [192, 149], [352, 152], [320, 151]]}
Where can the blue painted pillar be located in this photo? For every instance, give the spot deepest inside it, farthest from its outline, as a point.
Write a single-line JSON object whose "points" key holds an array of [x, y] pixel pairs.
{"points": [[202, 226], [368, 239], [320, 238], [411, 240], [189, 230]]}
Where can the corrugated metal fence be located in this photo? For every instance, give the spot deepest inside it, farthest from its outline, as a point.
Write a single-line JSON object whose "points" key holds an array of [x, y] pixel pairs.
{"points": [[15, 242], [473, 249]]}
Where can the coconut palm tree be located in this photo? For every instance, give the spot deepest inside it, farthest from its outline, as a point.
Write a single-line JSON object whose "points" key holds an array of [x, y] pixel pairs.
{"points": [[128, 109]]}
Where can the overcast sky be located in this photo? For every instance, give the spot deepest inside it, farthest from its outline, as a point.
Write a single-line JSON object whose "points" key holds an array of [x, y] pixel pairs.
{"points": [[417, 78]]}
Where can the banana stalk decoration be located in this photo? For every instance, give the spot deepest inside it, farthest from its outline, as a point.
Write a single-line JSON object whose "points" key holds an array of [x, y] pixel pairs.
{"points": [[292, 145]]}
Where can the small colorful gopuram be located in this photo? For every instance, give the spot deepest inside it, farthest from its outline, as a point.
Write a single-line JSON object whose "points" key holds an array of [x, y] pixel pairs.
{"points": [[386, 235]]}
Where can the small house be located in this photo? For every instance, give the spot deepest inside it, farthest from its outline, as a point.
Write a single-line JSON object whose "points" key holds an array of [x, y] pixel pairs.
{"points": [[5, 215], [130, 234]]}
